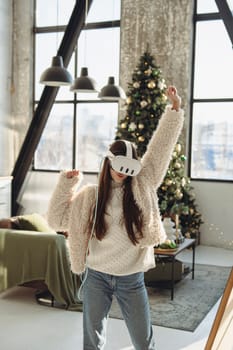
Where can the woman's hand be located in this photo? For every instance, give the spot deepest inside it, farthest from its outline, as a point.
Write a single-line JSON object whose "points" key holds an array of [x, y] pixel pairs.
{"points": [[173, 97], [72, 173]]}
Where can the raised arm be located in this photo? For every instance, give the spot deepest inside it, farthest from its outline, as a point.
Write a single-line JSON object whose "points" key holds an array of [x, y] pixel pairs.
{"points": [[60, 203], [174, 98], [157, 157]]}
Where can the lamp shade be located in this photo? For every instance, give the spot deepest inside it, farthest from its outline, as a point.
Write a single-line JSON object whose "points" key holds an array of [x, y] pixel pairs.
{"points": [[57, 74], [111, 91], [84, 83]]}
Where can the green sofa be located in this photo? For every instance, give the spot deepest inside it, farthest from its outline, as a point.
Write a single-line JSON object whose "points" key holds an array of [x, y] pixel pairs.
{"points": [[27, 256]]}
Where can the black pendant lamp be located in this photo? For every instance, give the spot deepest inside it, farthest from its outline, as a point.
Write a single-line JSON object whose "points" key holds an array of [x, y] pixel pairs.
{"points": [[112, 92], [84, 83], [57, 74]]}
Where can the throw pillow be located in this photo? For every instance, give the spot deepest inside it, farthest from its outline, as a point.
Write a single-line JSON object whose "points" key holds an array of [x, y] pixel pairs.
{"points": [[34, 222]]}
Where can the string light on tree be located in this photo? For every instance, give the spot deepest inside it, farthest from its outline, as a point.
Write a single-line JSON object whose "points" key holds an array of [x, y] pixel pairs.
{"points": [[143, 103], [123, 125]]}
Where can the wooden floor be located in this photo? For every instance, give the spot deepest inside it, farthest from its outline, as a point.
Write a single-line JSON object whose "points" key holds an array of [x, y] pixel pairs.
{"points": [[25, 325]]}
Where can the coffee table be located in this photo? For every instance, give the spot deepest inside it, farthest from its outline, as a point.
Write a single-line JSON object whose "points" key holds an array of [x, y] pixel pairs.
{"points": [[188, 243]]}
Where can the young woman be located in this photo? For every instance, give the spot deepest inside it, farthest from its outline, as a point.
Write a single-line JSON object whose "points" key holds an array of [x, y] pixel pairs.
{"points": [[114, 227]]}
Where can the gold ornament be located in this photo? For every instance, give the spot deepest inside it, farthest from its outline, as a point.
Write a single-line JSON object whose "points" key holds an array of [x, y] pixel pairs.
{"points": [[151, 84], [164, 98], [129, 100], [178, 148], [141, 138], [174, 155], [148, 72], [178, 194], [168, 182], [140, 126], [177, 165]]}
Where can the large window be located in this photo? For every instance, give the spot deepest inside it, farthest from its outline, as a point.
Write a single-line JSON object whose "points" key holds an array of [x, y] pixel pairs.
{"points": [[80, 126], [95, 129], [212, 107]]}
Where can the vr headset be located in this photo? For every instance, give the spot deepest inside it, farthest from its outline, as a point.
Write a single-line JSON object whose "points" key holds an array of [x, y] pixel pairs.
{"points": [[126, 165]]}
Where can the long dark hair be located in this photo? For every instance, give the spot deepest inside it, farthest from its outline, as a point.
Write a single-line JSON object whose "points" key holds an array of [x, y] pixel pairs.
{"points": [[132, 215]]}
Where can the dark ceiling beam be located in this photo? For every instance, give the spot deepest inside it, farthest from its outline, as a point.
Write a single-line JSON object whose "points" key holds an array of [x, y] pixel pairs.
{"points": [[227, 17], [32, 138]]}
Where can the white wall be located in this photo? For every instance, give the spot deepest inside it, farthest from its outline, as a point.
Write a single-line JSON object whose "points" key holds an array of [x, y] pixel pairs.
{"points": [[6, 127], [215, 202]]}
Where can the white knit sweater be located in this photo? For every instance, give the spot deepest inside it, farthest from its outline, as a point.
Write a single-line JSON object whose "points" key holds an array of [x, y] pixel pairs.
{"points": [[70, 210], [115, 254]]}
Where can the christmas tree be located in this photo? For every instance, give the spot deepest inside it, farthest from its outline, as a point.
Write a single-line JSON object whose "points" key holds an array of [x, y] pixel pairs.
{"points": [[145, 103], [176, 196]]}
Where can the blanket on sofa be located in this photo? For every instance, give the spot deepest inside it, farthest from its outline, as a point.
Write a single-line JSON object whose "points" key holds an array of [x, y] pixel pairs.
{"points": [[26, 256]]}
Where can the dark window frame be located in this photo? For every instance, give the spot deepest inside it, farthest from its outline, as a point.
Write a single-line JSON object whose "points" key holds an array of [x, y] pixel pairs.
{"points": [[75, 100], [197, 18]]}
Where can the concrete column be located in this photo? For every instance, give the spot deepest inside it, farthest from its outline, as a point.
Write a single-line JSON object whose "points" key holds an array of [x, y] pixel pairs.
{"points": [[167, 27], [5, 87], [22, 69]]}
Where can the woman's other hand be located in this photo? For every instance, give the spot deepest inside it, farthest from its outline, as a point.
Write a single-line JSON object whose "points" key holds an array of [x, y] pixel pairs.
{"points": [[173, 97], [72, 173]]}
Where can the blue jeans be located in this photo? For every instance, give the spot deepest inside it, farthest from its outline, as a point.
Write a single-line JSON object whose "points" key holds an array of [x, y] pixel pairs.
{"points": [[131, 294]]}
